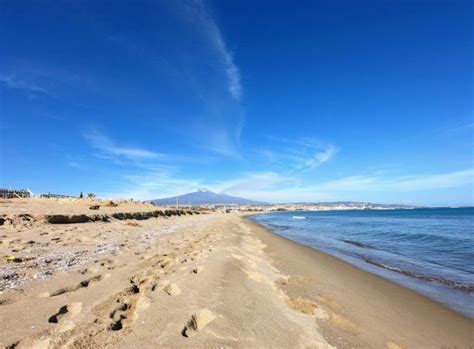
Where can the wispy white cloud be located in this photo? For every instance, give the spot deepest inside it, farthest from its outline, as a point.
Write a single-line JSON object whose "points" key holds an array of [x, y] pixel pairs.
{"points": [[297, 155], [74, 164], [14, 82], [321, 157], [108, 147], [430, 182], [382, 182], [234, 78], [459, 128], [219, 118], [197, 65], [217, 40], [38, 81], [218, 139]]}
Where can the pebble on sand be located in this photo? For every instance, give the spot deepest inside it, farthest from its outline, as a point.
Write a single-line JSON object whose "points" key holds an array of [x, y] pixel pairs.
{"points": [[198, 321], [201, 318], [172, 289]]}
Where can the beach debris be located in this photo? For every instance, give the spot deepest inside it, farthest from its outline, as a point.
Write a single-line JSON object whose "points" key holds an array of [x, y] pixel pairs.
{"points": [[94, 207], [198, 321], [172, 289], [40, 265], [14, 259], [11, 276]]}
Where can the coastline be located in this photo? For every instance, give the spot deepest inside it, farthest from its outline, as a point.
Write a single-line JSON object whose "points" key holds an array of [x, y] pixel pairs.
{"points": [[206, 280], [374, 307], [436, 273]]}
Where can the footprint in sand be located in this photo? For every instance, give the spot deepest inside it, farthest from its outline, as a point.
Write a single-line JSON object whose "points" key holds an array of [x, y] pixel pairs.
{"points": [[83, 284], [119, 315], [301, 305], [197, 270], [343, 323], [130, 300], [64, 315]]}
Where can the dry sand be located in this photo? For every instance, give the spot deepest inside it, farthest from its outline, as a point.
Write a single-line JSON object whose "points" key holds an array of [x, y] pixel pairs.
{"points": [[207, 280]]}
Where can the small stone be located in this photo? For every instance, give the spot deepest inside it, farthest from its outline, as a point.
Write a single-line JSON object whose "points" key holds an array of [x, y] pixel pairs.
{"points": [[172, 289], [200, 319]]}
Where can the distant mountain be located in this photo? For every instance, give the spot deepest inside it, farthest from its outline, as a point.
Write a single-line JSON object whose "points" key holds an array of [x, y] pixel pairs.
{"points": [[204, 197]]}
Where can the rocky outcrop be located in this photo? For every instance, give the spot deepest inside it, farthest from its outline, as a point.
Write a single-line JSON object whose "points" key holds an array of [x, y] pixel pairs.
{"points": [[71, 219], [86, 218]]}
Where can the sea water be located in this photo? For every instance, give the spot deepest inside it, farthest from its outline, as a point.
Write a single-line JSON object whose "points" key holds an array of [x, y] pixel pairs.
{"points": [[429, 250]]}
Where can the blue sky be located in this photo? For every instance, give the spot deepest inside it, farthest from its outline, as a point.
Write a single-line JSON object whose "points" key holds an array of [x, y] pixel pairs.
{"points": [[279, 101]]}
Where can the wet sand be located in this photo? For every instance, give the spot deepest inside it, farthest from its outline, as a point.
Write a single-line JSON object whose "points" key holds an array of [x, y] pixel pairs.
{"points": [[359, 309], [206, 280]]}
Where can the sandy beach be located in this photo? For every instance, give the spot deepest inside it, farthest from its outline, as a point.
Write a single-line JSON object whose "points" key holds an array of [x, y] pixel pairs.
{"points": [[130, 274]]}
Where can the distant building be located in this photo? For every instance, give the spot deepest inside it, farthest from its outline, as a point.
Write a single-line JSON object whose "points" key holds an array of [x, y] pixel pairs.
{"points": [[49, 195], [15, 193]]}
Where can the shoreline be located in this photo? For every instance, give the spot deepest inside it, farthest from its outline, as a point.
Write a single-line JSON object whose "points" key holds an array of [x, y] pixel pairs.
{"points": [[398, 309], [449, 292]]}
